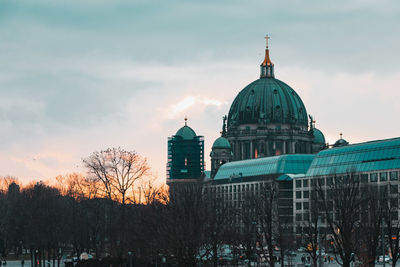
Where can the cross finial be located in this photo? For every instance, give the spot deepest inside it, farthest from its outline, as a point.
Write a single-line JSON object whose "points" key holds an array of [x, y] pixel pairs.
{"points": [[266, 39], [185, 120], [341, 135]]}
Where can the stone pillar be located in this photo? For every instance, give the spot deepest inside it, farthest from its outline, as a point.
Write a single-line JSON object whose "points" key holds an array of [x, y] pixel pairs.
{"points": [[242, 152], [251, 150], [284, 147]]}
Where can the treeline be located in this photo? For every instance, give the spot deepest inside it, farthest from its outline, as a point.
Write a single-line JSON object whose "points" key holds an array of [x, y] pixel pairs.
{"points": [[52, 223], [117, 212]]}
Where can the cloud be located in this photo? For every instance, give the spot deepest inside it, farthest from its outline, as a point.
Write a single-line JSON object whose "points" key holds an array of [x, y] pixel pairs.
{"points": [[81, 76], [196, 102]]}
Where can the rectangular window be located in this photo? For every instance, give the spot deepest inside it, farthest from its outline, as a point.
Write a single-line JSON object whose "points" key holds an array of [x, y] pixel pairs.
{"points": [[298, 205], [383, 176], [373, 177], [306, 205], [329, 181], [306, 194], [393, 176], [298, 217], [305, 183], [298, 183], [298, 194], [321, 181], [364, 178]]}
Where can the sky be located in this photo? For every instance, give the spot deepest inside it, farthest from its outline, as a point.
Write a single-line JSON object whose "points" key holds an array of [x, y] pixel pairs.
{"points": [[82, 76]]}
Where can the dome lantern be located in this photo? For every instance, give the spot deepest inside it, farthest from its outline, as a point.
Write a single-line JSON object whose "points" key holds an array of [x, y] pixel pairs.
{"points": [[267, 67]]}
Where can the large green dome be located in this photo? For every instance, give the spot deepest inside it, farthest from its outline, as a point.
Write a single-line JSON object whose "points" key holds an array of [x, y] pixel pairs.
{"points": [[267, 100]]}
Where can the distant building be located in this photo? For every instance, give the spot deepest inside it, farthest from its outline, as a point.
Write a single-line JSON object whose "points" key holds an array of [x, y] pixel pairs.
{"points": [[269, 137], [375, 163], [185, 156]]}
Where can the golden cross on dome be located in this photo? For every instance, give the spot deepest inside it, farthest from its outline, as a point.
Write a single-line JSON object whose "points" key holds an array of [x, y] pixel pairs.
{"points": [[267, 38], [185, 120]]}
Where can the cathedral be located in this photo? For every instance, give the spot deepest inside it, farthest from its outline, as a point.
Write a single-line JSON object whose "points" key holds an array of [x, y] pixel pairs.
{"points": [[267, 118], [268, 136]]}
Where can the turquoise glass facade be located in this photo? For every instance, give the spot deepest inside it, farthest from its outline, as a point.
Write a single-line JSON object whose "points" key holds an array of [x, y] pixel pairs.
{"points": [[364, 157], [292, 163]]}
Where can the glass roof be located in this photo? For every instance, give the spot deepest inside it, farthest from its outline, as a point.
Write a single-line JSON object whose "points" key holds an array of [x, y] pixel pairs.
{"points": [[291, 163], [363, 157]]}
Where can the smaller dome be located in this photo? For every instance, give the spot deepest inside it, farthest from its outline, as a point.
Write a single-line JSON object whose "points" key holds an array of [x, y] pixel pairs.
{"points": [[186, 133], [340, 142], [221, 142], [319, 137]]}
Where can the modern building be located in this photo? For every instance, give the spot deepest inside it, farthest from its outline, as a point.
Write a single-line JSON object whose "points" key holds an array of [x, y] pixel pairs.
{"points": [[268, 137], [375, 163]]}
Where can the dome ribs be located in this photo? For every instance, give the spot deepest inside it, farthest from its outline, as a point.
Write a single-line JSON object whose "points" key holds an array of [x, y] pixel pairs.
{"points": [[267, 100]]}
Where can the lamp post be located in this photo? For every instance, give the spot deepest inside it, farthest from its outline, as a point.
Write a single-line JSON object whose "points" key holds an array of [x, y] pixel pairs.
{"points": [[383, 243], [319, 240], [130, 258]]}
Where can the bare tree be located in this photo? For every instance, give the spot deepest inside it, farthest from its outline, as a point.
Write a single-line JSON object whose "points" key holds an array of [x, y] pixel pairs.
{"points": [[309, 227], [6, 181], [268, 218], [148, 192], [247, 227], [372, 211], [392, 224], [218, 218], [183, 224], [78, 186], [118, 170], [341, 200]]}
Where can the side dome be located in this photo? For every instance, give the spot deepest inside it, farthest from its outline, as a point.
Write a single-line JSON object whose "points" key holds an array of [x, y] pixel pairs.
{"points": [[221, 142], [267, 100], [186, 133], [319, 137]]}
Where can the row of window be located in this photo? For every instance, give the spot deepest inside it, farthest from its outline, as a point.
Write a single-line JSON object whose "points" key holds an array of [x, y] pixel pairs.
{"points": [[364, 178], [386, 188], [240, 188], [305, 216]]}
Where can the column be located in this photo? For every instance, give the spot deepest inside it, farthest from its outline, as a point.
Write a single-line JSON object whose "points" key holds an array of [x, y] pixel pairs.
{"points": [[242, 153]]}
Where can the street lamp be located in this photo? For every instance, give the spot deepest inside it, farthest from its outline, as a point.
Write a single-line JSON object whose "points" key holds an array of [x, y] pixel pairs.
{"points": [[383, 243], [130, 258], [319, 240]]}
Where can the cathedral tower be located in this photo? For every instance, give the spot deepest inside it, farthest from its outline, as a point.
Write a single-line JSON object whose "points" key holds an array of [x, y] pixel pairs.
{"points": [[185, 156]]}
